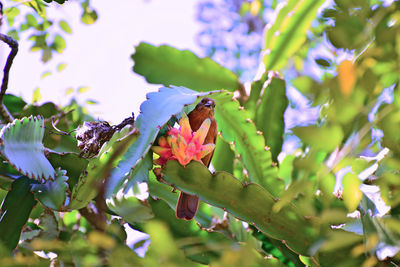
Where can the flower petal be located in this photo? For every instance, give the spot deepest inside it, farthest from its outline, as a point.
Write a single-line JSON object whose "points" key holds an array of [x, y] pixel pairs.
{"points": [[164, 152], [186, 130], [207, 149], [201, 133], [162, 141]]}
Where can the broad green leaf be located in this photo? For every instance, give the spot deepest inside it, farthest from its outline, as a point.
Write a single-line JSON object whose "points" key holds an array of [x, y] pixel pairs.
{"points": [[64, 26], [14, 103], [236, 127], [269, 114], [52, 194], [287, 34], [15, 210], [249, 202], [325, 138], [72, 163], [351, 191], [21, 145], [100, 167], [170, 66], [156, 111]]}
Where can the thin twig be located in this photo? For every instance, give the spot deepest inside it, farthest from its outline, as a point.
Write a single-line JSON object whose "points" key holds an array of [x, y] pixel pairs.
{"points": [[14, 50]]}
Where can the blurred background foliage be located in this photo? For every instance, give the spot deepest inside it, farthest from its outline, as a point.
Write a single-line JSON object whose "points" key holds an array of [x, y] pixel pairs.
{"points": [[313, 136]]}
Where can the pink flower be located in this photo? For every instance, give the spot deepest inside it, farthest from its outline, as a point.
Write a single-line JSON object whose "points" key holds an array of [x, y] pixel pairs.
{"points": [[183, 144]]}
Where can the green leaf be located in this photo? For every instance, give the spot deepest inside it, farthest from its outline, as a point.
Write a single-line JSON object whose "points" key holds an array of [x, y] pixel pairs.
{"points": [[52, 194], [129, 207], [61, 67], [170, 66], [269, 115], [351, 191], [325, 138], [37, 6], [15, 210], [83, 89], [156, 111], [89, 16], [58, 44], [287, 34], [14, 103], [101, 166], [237, 127], [72, 163], [37, 96], [45, 74], [10, 13], [31, 21], [21, 145], [64, 26], [249, 202]]}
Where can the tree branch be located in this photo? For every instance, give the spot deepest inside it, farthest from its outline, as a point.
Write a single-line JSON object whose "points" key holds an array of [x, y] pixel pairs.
{"points": [[14, 50]]}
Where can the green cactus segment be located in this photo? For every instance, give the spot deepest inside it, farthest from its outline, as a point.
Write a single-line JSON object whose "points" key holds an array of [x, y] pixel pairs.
{"points": [[236, 126], [269, 115], [100, 167], [15, 210], [288, 33], [182, 68], [165, 192], [52, 194], [223, 157], [21, 145], [154, 113], [248, 202]]}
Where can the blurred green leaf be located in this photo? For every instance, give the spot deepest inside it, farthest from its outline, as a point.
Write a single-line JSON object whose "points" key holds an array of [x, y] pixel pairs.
{"points": [[129, 207], [37, 96], [72, 163], [89, 16], [15, 211], [58, 44], [64, 26], [288, 32], [269, 114], [14, 103], [351, 191], [61, 67], [52, 194], [325, 138], [170, 66]]}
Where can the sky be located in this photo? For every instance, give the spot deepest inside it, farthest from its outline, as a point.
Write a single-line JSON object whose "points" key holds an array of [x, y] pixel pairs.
{"points": [[98, 55]]}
